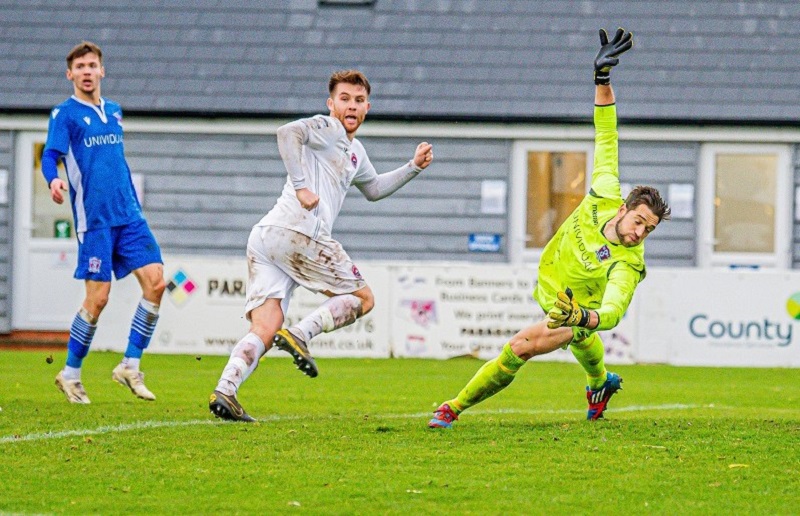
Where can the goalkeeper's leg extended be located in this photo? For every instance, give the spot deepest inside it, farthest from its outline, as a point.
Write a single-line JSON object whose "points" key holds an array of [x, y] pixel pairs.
{"points": [[590, 353], [494, 376]]}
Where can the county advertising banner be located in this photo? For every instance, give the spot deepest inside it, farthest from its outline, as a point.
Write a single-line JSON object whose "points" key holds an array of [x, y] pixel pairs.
{"points": [[720, 318], [202, 312]]}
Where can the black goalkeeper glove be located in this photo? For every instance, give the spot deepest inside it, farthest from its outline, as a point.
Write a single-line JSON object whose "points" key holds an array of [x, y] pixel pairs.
{"points": [[609, 52], [567, 312]]}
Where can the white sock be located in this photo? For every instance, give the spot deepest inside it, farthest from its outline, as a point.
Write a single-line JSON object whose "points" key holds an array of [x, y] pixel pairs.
{"points": [[71, 373], [131, 363], [335, 313], [243, 361]]}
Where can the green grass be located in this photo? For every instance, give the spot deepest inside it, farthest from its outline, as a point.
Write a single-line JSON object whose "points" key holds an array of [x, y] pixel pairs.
{"points": [[354, 440]]}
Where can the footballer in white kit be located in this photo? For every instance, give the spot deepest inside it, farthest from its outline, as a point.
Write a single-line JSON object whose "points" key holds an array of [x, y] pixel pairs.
{"points": [[292, 244]]}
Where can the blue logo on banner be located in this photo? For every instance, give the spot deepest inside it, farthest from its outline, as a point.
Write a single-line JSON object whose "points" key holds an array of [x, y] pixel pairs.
{"points": [[484, 243]]}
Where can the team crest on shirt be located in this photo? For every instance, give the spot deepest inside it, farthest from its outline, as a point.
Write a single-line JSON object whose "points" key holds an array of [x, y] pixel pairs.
{"points": [[87, 120], [354, 160], [94, 264], [357, 273], [603, 253]]}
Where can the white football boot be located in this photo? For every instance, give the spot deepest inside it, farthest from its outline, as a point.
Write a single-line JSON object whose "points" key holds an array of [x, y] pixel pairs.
{"points": [[132, 379], [73, 389]]}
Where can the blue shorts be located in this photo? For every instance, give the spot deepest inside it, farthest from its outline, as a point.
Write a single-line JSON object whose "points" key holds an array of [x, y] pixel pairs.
{"points": [[121, 249]]}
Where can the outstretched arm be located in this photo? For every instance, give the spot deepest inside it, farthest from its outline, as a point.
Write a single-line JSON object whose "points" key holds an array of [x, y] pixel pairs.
{"points": [[606, 162], [607, 58], [377, 186]]}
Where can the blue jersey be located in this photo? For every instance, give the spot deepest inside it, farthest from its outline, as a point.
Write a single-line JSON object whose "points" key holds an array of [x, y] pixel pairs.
{"points": [[89, 138]]}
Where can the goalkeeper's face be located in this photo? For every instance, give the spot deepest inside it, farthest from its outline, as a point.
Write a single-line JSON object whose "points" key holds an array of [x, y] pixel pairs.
{"points": [[635, 225], [349, 104]]}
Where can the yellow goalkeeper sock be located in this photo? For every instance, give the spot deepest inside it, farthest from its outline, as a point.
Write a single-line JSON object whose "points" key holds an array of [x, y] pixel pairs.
{"points": [[590, 354], [490, 379]]}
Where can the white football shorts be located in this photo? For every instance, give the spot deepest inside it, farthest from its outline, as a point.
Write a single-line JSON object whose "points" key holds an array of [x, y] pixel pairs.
{"points": [[279, 259]]}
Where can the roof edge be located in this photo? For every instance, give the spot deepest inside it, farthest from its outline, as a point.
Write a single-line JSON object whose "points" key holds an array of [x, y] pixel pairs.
{"points": [[393, 117]]}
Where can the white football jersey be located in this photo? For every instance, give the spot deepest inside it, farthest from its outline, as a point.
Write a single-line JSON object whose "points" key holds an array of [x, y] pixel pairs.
{"points": [[330, 163]]}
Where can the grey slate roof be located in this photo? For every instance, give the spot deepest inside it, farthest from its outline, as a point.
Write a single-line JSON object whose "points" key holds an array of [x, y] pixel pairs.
{"points": [[434, 59]]}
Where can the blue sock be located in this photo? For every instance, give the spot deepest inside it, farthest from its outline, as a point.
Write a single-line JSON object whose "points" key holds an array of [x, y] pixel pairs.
{"points": [[80, 338], [142, 327]]}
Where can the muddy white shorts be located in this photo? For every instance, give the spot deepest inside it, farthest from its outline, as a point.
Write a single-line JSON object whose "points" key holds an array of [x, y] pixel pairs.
{"points": [[279, 259]]}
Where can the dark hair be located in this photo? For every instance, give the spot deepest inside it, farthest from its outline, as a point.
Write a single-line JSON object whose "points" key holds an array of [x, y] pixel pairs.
{"points": [[350, 77], [81, 49], [651, 198]]}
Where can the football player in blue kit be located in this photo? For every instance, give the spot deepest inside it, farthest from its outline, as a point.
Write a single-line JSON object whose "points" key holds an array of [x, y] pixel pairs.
{"points": [[85, 132]]}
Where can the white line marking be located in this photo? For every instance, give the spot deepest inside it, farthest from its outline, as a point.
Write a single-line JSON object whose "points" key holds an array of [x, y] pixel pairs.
{"points": [[144, 425], [101, 430]]}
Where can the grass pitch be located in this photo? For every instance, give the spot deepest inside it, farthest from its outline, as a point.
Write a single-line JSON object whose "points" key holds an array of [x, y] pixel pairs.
{"points": [[354, 440]]}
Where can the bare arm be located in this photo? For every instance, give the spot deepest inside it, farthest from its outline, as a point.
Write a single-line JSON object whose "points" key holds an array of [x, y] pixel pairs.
{"points": [[604, 95]]}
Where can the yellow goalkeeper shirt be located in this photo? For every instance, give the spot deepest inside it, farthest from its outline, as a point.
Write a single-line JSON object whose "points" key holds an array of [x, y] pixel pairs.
{"points": [[602, 275]]}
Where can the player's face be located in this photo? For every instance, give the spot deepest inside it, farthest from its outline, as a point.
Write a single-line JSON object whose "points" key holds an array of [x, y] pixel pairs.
{"points": [[349, 104], [634, 225], [85, 73]]}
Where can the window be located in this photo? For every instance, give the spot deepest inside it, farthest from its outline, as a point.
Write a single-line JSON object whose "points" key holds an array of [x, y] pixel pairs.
{"points": [[556, 185], [744, 203], [746, 206], [550, 180]]}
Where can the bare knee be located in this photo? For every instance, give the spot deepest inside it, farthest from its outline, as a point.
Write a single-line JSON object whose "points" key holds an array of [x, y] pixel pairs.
{"points": [[151, 279], [538, 339], [266, 320], [264, 332], [95, 304], [96, 297], [522, 346], [367, 300], [158, 288]]}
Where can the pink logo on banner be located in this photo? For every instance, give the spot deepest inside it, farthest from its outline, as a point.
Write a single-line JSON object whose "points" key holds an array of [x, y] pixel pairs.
{"points": [[422, 311]]}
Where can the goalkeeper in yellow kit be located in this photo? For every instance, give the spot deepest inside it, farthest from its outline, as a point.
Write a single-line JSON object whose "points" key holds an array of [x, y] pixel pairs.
{"points": [[588, 271]]}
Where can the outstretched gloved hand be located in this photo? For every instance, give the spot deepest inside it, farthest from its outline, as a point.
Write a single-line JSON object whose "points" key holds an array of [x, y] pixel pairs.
{"points": [[609, 53]]}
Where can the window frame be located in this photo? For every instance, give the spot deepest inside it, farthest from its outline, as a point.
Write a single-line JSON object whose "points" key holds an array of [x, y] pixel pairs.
{"points": [[518, 253], [781, 257]]}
